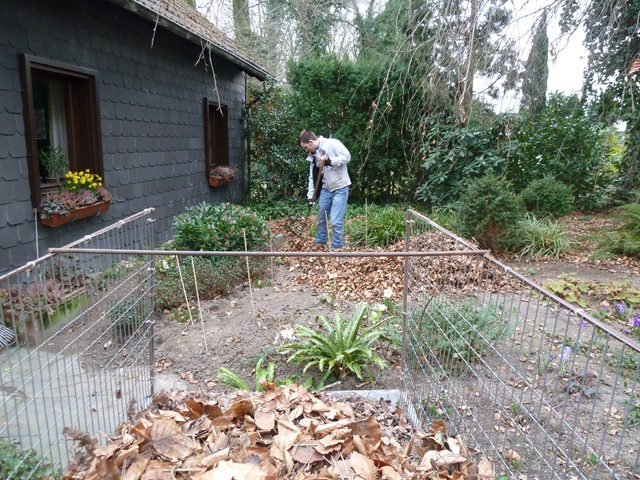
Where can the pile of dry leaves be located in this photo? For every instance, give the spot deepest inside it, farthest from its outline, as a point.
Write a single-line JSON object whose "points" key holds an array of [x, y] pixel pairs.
{"points": [[284, 432]]}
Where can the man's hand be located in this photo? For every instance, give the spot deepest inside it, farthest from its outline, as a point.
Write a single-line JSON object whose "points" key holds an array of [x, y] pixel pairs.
{"points": [[310, 203]]}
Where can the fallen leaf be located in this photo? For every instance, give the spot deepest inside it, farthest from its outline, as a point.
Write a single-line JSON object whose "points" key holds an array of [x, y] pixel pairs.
{"points": [[363, 466], [485, 470], [169, 442]]}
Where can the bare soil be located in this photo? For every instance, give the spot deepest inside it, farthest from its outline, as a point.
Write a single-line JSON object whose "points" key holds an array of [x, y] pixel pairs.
{"points": [[236, 330]]}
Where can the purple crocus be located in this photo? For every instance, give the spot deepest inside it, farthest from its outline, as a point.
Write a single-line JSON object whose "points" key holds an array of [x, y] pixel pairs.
{"points": [[636, 320], [566, 353], [621, 308]]}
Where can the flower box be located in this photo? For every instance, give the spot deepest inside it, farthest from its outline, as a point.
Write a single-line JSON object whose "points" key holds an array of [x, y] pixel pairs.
{"points": [[221, 175], [218, 182], [55, 220]]}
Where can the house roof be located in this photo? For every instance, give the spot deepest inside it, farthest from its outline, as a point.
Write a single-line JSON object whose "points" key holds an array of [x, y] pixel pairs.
{"points": [[182, 19]]}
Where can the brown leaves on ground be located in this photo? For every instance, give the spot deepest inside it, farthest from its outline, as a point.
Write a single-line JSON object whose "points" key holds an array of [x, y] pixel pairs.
{"points": [[373, 278], [284, 432], [352, 278]]}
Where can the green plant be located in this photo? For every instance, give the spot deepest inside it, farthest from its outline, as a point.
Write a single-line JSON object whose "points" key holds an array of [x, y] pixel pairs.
{"points": [[571, 290], [625, 240], [80, 189], [488, 212], [381, 227], [452, 156], [538, 238], [54, 160], [222, 227], [231, 379], [454, 335], [214, 276], [445, 217], [18, 464], [547, 196], [339, 347], [633, 413], [565, 142], [62, 201], [592, 458], [281, 208], [516, 463]]}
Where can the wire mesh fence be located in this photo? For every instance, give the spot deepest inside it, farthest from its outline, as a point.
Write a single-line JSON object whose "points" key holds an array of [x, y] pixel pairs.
{"points": [[77, 347], [541, 387]]}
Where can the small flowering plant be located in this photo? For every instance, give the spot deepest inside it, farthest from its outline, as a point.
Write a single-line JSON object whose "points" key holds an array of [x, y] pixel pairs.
{"points": [[83, 180], [624, 314], [79, 190]]}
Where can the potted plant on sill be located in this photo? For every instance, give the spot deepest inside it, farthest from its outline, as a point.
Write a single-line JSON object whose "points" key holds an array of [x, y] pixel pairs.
{"points": [[221, 175], [82, 195], [55, 162]]}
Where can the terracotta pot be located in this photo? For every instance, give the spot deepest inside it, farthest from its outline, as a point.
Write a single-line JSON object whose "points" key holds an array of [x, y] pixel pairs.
{"points": [[217, 182], [56, 220]]}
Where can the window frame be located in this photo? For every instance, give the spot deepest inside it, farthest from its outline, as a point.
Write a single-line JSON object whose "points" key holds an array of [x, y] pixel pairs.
{"points": [[84, 139], [216, 134]]}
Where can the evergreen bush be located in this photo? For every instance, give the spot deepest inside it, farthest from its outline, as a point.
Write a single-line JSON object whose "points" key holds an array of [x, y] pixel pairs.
{"points": [[625, 240], [547, 196], [219, 228], [488, 212]]}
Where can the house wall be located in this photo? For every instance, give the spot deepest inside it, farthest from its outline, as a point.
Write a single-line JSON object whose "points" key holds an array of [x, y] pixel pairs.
{"points": [[151, 109]]}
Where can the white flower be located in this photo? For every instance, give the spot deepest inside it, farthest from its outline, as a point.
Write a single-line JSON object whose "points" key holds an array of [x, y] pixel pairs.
{"points": [[285, 334], [379, 307], [387, 292]]}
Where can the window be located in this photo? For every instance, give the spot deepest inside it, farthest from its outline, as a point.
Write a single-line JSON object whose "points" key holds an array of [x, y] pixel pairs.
{"points": [[61, 113], [216, 133]]}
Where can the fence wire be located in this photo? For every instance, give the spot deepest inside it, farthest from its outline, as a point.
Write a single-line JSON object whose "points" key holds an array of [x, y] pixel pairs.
{"points": [[77, 352], [542, 388]]}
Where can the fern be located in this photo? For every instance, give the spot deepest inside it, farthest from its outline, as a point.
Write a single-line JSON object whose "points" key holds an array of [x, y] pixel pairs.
{"points": [[340, 347]]}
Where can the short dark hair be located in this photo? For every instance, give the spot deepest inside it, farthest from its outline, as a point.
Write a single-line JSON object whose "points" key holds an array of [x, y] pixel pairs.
{"points": [[305, 136]]}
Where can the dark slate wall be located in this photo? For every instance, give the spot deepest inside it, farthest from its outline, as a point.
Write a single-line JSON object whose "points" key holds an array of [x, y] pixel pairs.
{"points": [[151, 107]]}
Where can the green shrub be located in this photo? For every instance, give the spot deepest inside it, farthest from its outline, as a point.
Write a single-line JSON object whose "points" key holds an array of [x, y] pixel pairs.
{"points": [[219, 228], [547, 196], [453, 336], [339, 347], [542, 238], [488, 211], [215, 276], [17, 464], [381, 227], [625, 240]]}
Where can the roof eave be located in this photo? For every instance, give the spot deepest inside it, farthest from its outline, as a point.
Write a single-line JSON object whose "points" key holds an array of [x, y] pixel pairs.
{"points": [[250, 68]]}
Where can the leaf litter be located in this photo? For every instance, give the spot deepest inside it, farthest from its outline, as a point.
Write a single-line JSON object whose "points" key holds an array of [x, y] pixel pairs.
{"points": [[284, 432]]}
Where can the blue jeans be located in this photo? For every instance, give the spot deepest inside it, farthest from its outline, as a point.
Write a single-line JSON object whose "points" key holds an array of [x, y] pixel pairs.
{"points": [[332, 204]]}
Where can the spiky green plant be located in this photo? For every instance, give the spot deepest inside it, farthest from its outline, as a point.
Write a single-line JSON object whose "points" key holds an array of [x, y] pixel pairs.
{"points": [[341, 346], [380, 227], [542, 238], [231, 379]]}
